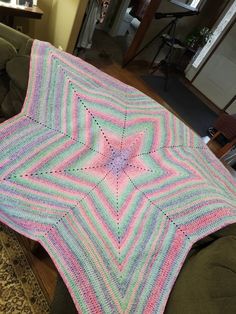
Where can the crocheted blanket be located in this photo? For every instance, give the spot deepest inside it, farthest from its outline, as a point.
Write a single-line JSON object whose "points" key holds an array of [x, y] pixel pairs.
{"points": [[113, 186]]}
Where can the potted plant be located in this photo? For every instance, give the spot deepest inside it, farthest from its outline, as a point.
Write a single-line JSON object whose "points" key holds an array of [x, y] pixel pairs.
{"points": [[198, 38]]}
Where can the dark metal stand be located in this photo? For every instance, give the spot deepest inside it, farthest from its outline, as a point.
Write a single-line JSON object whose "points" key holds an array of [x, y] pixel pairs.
{"points": [[170, 28], [170, 41], [171, 25], [167, 34]]}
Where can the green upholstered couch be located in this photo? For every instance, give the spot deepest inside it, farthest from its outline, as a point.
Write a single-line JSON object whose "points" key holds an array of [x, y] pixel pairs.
{"points": [[15, 50]]}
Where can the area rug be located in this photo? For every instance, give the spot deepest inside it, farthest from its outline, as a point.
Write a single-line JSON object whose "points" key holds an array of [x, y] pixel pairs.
{"points": [[20, 291], [187, 105]]}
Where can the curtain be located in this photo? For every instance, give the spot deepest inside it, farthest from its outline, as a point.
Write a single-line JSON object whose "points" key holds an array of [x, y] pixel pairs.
{"points": [[95, 13]]}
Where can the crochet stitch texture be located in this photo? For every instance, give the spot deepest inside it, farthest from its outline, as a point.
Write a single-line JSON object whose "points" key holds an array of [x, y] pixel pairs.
{"points": [[114, 187]]}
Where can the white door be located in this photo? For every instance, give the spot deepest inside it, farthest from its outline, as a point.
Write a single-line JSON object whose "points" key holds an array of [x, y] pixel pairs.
{"points": [[217, 79], [232, 108]]}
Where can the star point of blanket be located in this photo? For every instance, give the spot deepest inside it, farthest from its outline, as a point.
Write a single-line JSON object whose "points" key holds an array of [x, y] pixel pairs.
{"points": [[115, 187]]}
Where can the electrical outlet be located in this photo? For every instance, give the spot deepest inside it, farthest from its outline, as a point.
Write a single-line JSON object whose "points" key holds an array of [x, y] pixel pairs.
{"points": [[19, 28]]}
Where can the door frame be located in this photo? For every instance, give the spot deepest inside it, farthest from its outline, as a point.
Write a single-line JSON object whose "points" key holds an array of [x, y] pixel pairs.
{"points": [[143, 28]]}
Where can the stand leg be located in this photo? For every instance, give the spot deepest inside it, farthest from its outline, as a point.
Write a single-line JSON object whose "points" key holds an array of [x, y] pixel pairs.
{"points": [[171, 26], [162, 62], [158, 51], [169, 56]]}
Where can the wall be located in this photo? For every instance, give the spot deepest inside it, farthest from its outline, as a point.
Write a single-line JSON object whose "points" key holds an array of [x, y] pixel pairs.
{"points": [[40, 27], [216, 79], [37, 28], [60, 24], [65, 21], [211, 80]]}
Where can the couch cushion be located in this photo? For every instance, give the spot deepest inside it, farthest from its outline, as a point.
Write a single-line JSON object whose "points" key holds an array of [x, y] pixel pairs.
{"points": [[18, 71], [7, 51], [4, 87], [20, 41], [13, 102], [207, 281]]}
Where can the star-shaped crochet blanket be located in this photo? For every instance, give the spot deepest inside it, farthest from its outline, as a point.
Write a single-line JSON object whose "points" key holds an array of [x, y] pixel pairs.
{"points": [[114, 186]]}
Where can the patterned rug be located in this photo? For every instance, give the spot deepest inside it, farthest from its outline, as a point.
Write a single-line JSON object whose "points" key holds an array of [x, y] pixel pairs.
{"points": [[20, 291]]}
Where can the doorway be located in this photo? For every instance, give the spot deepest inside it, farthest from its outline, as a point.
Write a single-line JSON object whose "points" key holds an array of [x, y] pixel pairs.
{"points": [[119, 28]]}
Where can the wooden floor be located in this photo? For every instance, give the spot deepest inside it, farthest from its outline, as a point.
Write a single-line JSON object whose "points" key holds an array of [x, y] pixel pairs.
{"points": [[132, 79]]}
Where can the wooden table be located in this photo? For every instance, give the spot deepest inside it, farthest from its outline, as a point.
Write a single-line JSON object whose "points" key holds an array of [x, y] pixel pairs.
{"points": [[9, 10]]}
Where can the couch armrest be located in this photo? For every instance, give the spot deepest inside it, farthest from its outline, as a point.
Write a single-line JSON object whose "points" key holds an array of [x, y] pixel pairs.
{"points": [[20, 41]]}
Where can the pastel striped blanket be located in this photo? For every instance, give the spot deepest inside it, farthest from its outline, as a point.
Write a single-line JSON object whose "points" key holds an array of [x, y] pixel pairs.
{"points": [[114, 187]]}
